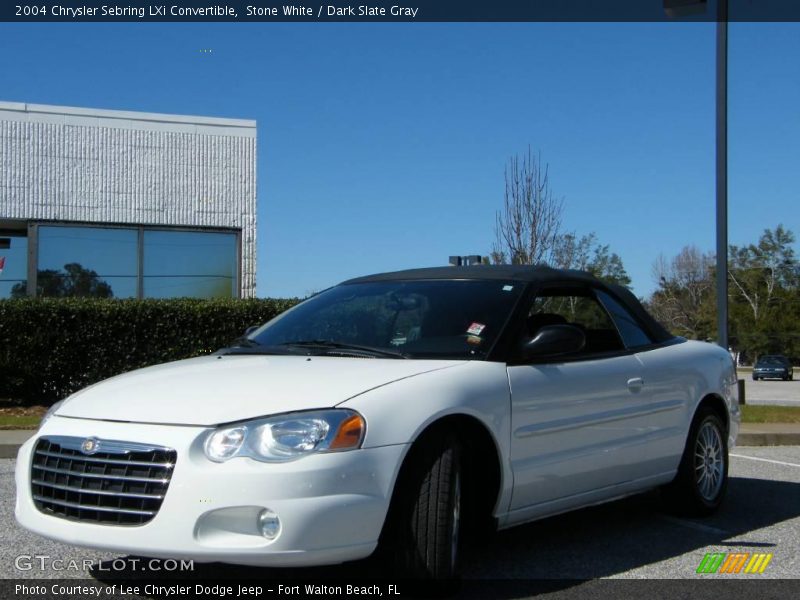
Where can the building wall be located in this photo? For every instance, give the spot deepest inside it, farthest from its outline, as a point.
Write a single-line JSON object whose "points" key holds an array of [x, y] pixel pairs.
{"points": [[98, 166]]}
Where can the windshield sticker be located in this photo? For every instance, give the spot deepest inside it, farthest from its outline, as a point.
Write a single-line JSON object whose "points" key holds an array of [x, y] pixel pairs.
{"points": [[508, 288], [474, 340], [476, 328]]}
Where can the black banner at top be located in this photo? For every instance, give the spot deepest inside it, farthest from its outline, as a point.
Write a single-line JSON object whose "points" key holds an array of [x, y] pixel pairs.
{"points": [[396, 10]]}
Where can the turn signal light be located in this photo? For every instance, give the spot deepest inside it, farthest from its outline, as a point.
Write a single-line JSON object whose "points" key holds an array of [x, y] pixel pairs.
{"points": [[350, 433]]}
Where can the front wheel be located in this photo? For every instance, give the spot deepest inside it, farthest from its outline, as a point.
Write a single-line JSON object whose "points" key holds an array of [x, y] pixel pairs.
{"points": [[702, 479], [423, 529]]}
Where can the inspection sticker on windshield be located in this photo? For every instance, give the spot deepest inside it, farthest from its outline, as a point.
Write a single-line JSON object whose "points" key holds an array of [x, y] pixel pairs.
{"points": [[508, 288], [476, 328]]}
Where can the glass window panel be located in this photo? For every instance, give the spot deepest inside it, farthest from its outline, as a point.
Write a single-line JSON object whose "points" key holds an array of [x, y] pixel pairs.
{"points": [[579, 310], [193, 264], [87, 261], [13, 266], [632, 334]]}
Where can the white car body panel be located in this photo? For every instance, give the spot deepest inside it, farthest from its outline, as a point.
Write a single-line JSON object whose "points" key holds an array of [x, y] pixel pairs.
{"points": [[619, 446], [680, 376], [576, 426], [210, 390], [403, 410]]}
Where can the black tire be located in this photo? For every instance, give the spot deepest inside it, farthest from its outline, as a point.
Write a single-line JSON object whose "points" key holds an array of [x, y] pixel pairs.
{"points": [[422, 535], [700, 485], [755, 378]]}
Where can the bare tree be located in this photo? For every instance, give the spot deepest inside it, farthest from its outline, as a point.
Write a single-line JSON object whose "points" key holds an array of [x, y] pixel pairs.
{"points": [[585, 253], [527, 228], [685, 284]]}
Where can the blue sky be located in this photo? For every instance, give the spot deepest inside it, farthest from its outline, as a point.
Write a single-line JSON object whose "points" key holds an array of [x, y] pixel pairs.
{"points": [[382, 146]]}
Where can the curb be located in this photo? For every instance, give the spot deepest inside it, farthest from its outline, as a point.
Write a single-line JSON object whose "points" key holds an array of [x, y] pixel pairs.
{"points": [[9, 450], [768, 439], [12, 439]]}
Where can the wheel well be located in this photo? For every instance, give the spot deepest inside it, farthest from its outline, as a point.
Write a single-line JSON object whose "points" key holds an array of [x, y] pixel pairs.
{"points": [[481, 476], [717, 404]]}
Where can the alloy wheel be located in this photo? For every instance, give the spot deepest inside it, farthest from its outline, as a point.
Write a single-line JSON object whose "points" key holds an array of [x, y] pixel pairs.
{"points": [[709, 461]]}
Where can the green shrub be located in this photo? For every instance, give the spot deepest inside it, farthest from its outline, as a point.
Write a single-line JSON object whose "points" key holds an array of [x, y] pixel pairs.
{"points": [[50, 348]]}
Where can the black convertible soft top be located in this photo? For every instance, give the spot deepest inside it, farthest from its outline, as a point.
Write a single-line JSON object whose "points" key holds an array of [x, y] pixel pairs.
{"points": [[528, 274], [538, 273]]}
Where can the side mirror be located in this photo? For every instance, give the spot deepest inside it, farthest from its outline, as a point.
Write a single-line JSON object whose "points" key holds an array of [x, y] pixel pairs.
{"points": [[250, 330], [554, 340]]}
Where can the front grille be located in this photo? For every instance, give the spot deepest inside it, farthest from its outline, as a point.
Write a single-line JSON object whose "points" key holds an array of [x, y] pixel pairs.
{"points": [[117, 483]]}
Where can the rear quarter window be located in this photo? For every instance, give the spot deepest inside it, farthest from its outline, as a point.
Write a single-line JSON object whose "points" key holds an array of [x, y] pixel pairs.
{"points": [[629, 329]]}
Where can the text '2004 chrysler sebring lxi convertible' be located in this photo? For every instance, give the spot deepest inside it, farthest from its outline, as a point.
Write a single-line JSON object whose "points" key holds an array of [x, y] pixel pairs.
{"points": [[395, 411]]}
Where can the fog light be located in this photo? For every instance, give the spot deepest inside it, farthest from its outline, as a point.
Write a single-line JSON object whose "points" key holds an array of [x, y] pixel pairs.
{"points": [[269, 524]]}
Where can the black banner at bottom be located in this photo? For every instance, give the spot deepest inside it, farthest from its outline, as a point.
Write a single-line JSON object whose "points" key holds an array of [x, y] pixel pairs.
{"points": [[505, 589]]}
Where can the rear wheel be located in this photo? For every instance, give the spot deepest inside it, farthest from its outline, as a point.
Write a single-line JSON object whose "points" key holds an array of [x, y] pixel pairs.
{"points": [[422, 536], [702, 479]]}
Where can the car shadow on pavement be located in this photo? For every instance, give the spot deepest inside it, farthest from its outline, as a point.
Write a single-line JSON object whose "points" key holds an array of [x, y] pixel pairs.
{"points": [[566, 550]]}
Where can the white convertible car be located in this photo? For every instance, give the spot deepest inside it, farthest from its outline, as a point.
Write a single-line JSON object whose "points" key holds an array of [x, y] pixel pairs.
{"points": [[399, 411]]}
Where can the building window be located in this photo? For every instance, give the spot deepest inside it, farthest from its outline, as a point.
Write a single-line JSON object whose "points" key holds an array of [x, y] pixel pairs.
{"points": [[132, 262], [189, 264], [87, 261], [13, 265]]}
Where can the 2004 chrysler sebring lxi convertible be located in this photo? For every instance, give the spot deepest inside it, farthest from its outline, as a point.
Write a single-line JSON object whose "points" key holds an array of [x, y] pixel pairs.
{"points": [[396, 411]]}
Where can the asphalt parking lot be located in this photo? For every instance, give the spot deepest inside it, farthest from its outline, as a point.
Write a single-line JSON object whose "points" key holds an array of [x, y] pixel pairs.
{"points": [[771, 391], [628, 539]]}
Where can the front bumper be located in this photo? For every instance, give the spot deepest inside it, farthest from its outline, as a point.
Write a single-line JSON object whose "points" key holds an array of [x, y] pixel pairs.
{"points": [[331, 506]]}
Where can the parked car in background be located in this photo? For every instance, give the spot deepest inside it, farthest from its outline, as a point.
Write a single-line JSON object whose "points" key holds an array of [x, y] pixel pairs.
{"points": [[391, 413], [773, 366]]}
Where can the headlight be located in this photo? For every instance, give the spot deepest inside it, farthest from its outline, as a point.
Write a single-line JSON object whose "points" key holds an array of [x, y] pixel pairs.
{"points": [[50, 412], [286, 437]]}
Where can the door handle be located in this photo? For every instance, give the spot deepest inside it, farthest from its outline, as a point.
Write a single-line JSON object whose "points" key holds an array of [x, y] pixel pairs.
{"points": [[635, 384]]}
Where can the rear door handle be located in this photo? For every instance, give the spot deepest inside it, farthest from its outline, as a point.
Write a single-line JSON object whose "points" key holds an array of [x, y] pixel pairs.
{"points": [[635, 384]]}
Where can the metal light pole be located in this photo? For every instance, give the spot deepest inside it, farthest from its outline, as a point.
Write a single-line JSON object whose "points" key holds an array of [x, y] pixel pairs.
{"points": [[677, 8], [722, 173]]}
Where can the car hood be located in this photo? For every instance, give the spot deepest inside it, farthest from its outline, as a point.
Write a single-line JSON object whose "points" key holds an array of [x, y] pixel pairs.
{"points": [[220, 389]]}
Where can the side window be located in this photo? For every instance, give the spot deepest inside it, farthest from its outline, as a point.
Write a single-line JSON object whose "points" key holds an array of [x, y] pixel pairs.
{"points": [[632, 334], [580, 310]]}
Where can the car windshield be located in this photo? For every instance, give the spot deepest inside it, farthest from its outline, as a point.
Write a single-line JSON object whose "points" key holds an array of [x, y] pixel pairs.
{"points": [[773, 361], [405, 319]]}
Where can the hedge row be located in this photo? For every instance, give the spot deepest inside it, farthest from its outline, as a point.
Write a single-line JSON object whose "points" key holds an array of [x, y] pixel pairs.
{"points": [[49, 348]]}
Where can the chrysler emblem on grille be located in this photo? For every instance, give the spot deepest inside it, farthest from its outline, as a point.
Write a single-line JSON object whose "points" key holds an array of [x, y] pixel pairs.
{"points": [[89, 446]]}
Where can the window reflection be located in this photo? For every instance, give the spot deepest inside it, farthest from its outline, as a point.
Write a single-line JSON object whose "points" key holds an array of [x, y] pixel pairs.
{"points": [[103, 262], [87, 261], [13, 266], [189, 264]]}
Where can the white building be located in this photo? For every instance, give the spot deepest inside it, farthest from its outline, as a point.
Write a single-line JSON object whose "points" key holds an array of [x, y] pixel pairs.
{"points": [[125, 204]]}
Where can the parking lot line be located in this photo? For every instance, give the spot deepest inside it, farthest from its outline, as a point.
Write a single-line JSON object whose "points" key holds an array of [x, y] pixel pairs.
{"points": [[775, 462]]}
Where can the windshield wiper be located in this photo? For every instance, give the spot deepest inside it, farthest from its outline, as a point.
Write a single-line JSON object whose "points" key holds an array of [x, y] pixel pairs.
{"points": [[244, 345], [327, 344], [243, 342]]}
